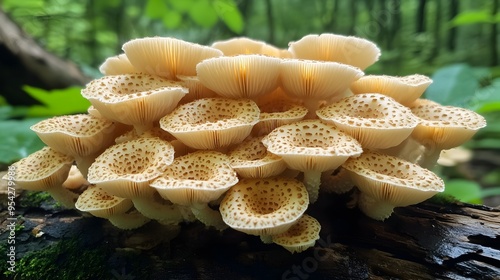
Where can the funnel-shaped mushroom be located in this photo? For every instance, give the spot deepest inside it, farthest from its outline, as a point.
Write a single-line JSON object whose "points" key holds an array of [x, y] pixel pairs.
{"points": [[167, 57], [277, 113], [387, 182], [45, 170], [312, 147], [196, 89], [375, 120], [117, 65], [299, 237], [240, 45], [212, 123], [134, 99], [241, 76]]}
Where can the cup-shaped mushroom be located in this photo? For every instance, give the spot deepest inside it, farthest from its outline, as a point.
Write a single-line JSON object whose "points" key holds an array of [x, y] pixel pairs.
{"points": [[212, 123], [134, 99], [241, 76], [117, 65], [375, 120], [45, 170], [350, 50], [312, 147], [299, 237], [264, 207], [387, 182], [196, 89], [167, 57], [277, 113], [404, 90]]}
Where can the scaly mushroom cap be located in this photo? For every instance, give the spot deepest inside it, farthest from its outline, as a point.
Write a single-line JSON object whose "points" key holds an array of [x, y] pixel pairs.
{"points": [[117, 65], [404, 90], [96, 201], [198, 177], [277, 113], [76, 135], [317, 80], [42, 170], [126, 169], [212, 123], [301, 236], [167, 57], [134, 99], [264, 206], [196, 89], [251, 159], [239, 45], [241, 76], [375, 120], [393, 180], [311, 145], [445, 127], [331, 47]]}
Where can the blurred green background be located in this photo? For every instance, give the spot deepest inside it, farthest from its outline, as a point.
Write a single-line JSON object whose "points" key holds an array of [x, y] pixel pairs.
{"points": [[455, 42]]}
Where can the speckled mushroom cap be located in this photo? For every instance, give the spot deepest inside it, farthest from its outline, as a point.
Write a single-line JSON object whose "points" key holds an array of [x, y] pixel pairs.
{"points": [[134, 99], [96, 201], [167, 57], [126, 169], [264, 206], [117, 65], [317, 80], [301, 236], [404, 90], [212, 123], [331, 47], [277, 113], [239, 45], [311, 145], [42, 170], [375, 120], [393, 180], [445, 127], [196, 89], [198, 177], [76, 135], [241, 76], [251, 159]]}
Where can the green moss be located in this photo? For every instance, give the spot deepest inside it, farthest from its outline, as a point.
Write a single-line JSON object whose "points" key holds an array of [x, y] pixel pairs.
{"points": [[443, 199], [34, 199]]}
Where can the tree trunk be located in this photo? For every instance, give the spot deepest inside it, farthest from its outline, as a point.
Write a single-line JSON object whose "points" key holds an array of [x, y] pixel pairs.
{"points": [[452, 32], [420, 17], [270, 22], [493, 36]]}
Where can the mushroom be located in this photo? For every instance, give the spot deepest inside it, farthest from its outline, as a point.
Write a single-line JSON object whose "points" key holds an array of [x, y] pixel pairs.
{"points": [[196, 89], [96, 201], [387, 182], [350, 50], [299, 237], [264, 207], [277, 113], [238, 46], [312, 147], [194, 180], [45, 170], [117, 65], [167, 57], [375, 120], [134, 99], [241, 76], [212, 123], [338, 181], [75, 179]]}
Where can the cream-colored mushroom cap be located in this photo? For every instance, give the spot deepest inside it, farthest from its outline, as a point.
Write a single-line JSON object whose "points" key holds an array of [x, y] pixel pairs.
{"points": [[167, 57], [375, 120], [239, 45], [96, 201], [212, 123], [404, 90], [301, 236], [196, 89], [198, 177], [117, 65], [251, 159], [241, 76], [277, 113], [350, 50], [264, 206]]}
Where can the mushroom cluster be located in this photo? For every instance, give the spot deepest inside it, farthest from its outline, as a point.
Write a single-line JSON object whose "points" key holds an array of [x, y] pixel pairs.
{"points": [[245, 135]]}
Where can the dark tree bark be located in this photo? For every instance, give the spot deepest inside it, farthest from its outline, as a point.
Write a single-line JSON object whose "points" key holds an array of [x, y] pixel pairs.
{"points": [[493, 36], [454, 7], [420, 17]]}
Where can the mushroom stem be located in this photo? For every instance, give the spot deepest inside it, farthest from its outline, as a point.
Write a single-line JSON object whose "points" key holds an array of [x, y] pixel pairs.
{"points": [[312, 105], [429, 158], [162, 212], [375, 209], [143, 128], [128, 220], [64, 196], [266, 239], [208, 216], [83, 164], [312, 181]]}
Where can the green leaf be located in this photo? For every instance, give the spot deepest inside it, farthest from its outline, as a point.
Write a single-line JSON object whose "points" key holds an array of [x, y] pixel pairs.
{"points": [[472, 17], [18, 141], [181, 6], [464, 190], [490, 192], [203, 14], [230, 15], [57, 102], [171, 19], [487, 143], [8, 112], [155, 9]]}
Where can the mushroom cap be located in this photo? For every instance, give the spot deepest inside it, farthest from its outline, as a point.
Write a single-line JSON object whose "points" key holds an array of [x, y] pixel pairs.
{"points": [[241, 76], [96, 201], [301, 236], [251, 159], [316, 80], [134, 99], [42, 170], [375, 120], [167, 57], [311, 145], [445, 127], [264, 206], [196, 89], [331, 47], [239, 45], [393, 180], [198, 177], [277, 113], [212, 123], [404, 90], [117, 65], [75, 179], [76, 135], [126, 169]]}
